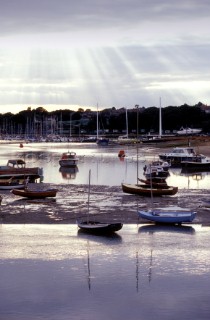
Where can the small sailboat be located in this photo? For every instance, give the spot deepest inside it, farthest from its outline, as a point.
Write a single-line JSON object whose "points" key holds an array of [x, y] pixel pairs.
{"points": [[168, 215], [96, 227]]}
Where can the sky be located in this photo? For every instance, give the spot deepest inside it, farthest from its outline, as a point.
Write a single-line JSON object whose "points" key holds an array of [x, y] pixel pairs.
{"points": [[112, 53]]}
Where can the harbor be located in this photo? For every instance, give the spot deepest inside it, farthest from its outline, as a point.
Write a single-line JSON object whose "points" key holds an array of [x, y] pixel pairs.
{"points": [[107, 200]]}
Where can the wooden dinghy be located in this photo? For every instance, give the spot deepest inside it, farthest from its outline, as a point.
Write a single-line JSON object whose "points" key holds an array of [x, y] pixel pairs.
{"points": [[147, 191], [32, 194]]}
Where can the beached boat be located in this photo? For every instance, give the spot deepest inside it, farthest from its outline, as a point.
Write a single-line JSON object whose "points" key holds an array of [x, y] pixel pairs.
{"points": [[16, 168], [99, 227], [9, 184], [177, 155], [168, 215], [144, 190], [68, 159], [96, 227], [33, 194]]}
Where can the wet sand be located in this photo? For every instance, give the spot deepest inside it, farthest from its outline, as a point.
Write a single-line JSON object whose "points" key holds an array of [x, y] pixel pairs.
{"points": [[106, 203]]}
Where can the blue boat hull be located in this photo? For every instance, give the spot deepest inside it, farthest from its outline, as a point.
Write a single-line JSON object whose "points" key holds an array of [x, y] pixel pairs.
{"points": [[170, 216]]}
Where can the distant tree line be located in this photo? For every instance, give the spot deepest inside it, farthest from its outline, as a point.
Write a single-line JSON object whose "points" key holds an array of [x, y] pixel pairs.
{"points": [[41, 122]]}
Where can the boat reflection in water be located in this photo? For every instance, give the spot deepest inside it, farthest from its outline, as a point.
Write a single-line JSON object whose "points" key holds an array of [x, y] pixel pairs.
{"points": [[69, 172], [107, 239], [154, 228]]}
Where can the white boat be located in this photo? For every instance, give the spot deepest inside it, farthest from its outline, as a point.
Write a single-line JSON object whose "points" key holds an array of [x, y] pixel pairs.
{"points": [[157, 169], [68, 159], [168, 215], [178, 154], [188, 131], [160, 164], [155, 172], [202, 165]]}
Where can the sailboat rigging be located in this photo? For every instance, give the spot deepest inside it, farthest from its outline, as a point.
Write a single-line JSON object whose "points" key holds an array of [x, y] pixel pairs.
{"points": [[97, 227], [100, 140]]}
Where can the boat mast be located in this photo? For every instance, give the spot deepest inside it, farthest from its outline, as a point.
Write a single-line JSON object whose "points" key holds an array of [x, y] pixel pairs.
{"points": [[126, 114], [97, 122], [160, 120], [89, 195], [137, 142], [152, 203]]}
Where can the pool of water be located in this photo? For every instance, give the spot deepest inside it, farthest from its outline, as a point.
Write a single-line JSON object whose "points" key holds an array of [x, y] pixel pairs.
{"points": [[143, 272], [106, 167]]}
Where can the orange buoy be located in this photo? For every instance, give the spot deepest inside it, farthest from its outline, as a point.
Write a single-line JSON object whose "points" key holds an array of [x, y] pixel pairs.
{"points": [[21, 145], [121, 154]]}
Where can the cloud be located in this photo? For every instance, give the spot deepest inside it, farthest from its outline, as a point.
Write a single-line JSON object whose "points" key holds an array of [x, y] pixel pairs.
{"points": [[46, 16], [114, 52]]}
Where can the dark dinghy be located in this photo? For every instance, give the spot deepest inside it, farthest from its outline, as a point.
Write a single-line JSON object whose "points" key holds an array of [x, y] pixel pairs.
{"points": [[99, 227]]}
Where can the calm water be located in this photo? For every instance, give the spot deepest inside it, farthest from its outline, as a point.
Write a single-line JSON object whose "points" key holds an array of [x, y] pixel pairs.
{"points": [[106, 167], [144, 272]]}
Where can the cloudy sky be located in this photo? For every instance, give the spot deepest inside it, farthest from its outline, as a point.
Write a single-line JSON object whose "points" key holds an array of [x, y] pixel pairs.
{"points": [[114, 53]]}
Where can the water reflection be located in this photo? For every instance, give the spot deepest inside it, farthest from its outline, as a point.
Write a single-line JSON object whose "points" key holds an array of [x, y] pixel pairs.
{"points": [[69, 173], [153, 228], [102, 162], [53, 272], [106, 239]]}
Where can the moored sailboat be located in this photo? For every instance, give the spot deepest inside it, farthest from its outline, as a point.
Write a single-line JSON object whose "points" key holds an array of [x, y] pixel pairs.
{"points": [[168, 215], [97, 227]]}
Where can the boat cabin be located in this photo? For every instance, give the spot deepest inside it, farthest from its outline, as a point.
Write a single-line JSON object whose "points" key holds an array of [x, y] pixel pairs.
{"points": [[177, 155], [16, 163]]}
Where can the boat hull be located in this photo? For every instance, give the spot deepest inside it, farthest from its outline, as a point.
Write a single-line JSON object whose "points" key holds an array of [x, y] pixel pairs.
{"points": [[11, 186], [99, 227], [35, 194], [68, 163], [168, 217], [194, 165], [147, 191], [178, 154]]}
